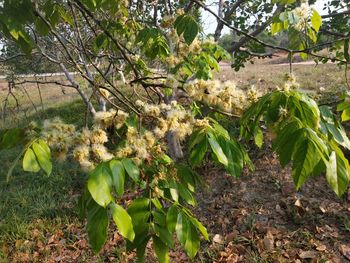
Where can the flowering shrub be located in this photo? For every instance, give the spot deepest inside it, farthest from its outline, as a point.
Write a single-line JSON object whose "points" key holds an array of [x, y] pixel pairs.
{"points": [[149, 147]]}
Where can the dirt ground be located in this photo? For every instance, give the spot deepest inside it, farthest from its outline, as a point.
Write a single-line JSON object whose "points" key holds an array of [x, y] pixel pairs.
{"points": [[261, 218]]}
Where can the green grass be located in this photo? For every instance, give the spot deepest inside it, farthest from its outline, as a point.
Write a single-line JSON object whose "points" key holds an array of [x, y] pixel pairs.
{"points": [[36, 201], [72, 112]]}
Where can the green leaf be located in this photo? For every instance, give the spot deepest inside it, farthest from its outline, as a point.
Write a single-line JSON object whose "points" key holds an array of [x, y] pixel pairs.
{"points": [[187, 26], [100, 185], [11, 138], [304, 56], [118, 176], [45, 147], [234, 155], [276, 28], [159, 217], [186, 195], [154, 42], [258, 137], [182, 228], [286, 140], [139, 212], [345, 116], [215, 146], [90, 4], [331, 126], [132, 170], [316, 20], [174, 194], [186, 176], [200, 227], [157, 203], [164, 234], [313, 36], [338, 172], [199, 151], [141, 248], [171, 218], [43, 155], [161, 250], [305, 159], [64, 14], [305, 108], [97, 225], [123, 221], [192, 242], [191, 31], [30, 164]]}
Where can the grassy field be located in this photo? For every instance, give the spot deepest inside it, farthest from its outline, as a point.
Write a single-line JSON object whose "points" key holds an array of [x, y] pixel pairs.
{"points": [[28, 99], [38, 215], [266, 75]]}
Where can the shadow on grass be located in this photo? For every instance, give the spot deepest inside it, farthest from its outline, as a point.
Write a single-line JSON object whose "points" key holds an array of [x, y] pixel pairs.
{"points": [[72, 112]]}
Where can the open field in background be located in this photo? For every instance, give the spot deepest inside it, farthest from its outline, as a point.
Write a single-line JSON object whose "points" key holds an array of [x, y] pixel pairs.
{"points": [[266, 75], [30, 98], [252, 219], [320, 81]]}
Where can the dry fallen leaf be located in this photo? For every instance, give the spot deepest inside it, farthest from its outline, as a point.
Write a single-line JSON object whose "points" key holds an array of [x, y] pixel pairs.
{"points": [[321, 248], [308, 254], [269, 241], [323, 210], [298, 203], [218, 239], [345, 250], [51, 239]]}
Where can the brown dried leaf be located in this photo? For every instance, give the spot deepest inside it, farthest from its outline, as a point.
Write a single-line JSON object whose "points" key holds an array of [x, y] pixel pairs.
{"points": [[345, 250], [321, 248], [218, 239], [269, 241], [308, 254]]}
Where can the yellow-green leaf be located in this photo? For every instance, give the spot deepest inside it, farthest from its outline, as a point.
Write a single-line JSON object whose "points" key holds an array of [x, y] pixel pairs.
{"points": [[123, 221], [161, 250], [30, 164], [100, 184], [42, 153], [316, 20]]}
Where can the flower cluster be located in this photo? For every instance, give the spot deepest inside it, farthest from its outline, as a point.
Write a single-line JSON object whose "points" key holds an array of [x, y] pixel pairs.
{"points": [[90, 147], [139, 145], [105, 119], [167, 21], [59, 136], [171, 82], [290, 82], [169, 118], [183, 50], [172, 61], [303, 14], [223, 95]]}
